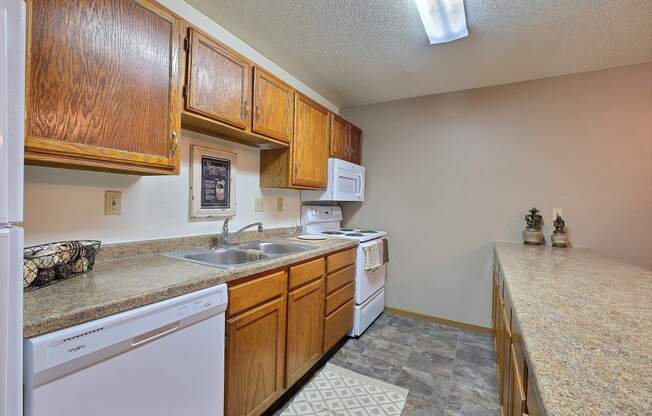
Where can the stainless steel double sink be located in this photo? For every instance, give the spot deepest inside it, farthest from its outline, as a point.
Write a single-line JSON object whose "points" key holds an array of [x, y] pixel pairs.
{"points": [[236, 255]]}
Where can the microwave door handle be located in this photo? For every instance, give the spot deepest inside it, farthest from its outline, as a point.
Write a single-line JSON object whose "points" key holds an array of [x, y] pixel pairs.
{"points": [[359, 185]]}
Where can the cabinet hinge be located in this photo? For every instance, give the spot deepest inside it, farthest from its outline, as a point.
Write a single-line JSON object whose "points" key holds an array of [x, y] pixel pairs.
{"points": [[186, 44]]}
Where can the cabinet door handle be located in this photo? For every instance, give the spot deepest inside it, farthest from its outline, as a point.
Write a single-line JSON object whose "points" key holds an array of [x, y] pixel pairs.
{"points": [[246, 110], [173, 144], [296, 165], [257, 112]]}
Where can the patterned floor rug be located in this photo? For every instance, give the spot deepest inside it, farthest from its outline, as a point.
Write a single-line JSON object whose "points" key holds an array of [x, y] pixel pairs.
{"points": [[337, 391]]}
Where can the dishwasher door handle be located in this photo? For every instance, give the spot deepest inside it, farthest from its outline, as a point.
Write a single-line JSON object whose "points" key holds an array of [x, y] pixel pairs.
{"points": [[154, 334]]}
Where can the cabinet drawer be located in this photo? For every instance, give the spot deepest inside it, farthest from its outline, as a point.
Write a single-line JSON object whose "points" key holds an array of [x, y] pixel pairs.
{"points": [[255, 292], [337, 324], [306, 272], [341, 259], [339, 297], [339, 279]]}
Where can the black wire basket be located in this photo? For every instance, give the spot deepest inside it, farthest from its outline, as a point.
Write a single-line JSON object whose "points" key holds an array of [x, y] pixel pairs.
{"points": [[50, 263]]}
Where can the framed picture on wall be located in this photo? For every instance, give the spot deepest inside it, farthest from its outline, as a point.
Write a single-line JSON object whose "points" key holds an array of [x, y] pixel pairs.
{"points": [[212, 182]]}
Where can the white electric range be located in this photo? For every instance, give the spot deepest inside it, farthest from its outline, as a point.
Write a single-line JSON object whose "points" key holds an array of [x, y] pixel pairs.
{"points": [[369, 284]]}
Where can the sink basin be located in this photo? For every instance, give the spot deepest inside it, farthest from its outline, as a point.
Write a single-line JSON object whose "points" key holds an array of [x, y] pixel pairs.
{"points": [[272, 248], [238, 255], [227, 257]]}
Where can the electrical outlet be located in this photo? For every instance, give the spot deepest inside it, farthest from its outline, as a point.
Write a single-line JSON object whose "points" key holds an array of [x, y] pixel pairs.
{"points": [[260, 205], [112, 202], [556, 211], [279, 204]]}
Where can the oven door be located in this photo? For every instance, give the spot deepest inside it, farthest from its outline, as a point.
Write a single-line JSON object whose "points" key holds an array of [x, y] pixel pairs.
{"points": [[347, 180], [367, 282]]}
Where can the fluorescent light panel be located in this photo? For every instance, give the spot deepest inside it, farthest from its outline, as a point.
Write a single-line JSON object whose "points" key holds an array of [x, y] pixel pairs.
{"points": [[444, 20]]}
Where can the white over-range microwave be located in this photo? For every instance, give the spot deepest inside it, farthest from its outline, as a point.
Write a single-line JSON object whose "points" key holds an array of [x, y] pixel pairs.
{"points": [[345, 183]]}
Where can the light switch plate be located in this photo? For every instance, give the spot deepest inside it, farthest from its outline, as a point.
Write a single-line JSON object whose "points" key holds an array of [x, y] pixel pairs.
{"points": [[556, 211], [260, 205], [279, 204], [112, 202]]}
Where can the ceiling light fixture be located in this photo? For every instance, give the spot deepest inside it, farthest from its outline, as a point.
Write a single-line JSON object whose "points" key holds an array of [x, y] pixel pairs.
{"points": [[444, 20]]}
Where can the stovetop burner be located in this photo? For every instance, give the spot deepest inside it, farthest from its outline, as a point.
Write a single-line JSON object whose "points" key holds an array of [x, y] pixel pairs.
{"points": [[368, 231], [355, 235], [348, 230], [332, 232]]}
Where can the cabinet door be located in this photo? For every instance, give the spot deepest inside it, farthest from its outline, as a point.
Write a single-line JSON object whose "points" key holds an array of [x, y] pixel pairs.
{"points": [[355, 145], [305, 329], [338, 324], [505, 350], [532, 399], [494, 314], [102, 87], [255, 359], [309, 148], [217, 82], [500, 336], [273, 106], [517, 395], [339, 146]]}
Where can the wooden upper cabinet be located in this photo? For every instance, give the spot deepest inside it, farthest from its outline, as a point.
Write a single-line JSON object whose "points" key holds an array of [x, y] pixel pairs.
{"points": [[218, 82], [345, 140], [273, 106], [339, 146], [355, 145], [102, 85], [309, 148]]}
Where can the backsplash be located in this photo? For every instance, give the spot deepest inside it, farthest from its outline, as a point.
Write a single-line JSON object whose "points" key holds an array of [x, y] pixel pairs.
{"points": [[63, 204]]}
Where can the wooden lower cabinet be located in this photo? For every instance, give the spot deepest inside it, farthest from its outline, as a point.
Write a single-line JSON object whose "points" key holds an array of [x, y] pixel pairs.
{"points": [[338, 324], [278, 328], [531, 402], [504, 351], [305, 329], [255, 359], [340, 292], [516, 394]]}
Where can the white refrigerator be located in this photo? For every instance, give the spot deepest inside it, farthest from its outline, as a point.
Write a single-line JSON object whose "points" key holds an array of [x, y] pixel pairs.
{"points": [[12, 82]]}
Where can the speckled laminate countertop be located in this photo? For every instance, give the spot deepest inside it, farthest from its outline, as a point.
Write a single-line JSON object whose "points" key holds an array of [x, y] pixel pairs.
{"points": [[586, 324], [129, 282]]}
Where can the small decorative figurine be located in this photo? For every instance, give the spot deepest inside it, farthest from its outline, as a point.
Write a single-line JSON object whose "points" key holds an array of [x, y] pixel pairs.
{"points": [[532, 234], [559, 237]]}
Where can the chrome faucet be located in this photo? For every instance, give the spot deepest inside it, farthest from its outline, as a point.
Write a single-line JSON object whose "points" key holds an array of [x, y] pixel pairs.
{"points": [[226, 236]]}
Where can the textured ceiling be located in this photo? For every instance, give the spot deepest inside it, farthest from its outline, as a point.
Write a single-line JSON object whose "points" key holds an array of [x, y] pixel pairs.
{"points": [[361, 51]]}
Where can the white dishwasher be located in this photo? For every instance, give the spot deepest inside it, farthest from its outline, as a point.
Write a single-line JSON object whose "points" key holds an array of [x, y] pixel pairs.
{"points": [[162, 359]]}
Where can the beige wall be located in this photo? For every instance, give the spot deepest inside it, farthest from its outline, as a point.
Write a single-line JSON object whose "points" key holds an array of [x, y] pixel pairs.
{"points": [[448, 174], [63, 204]]}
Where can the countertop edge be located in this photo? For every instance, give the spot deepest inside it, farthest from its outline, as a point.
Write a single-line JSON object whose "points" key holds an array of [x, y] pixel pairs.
{"points": [[526, 350], [102, 310]]}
